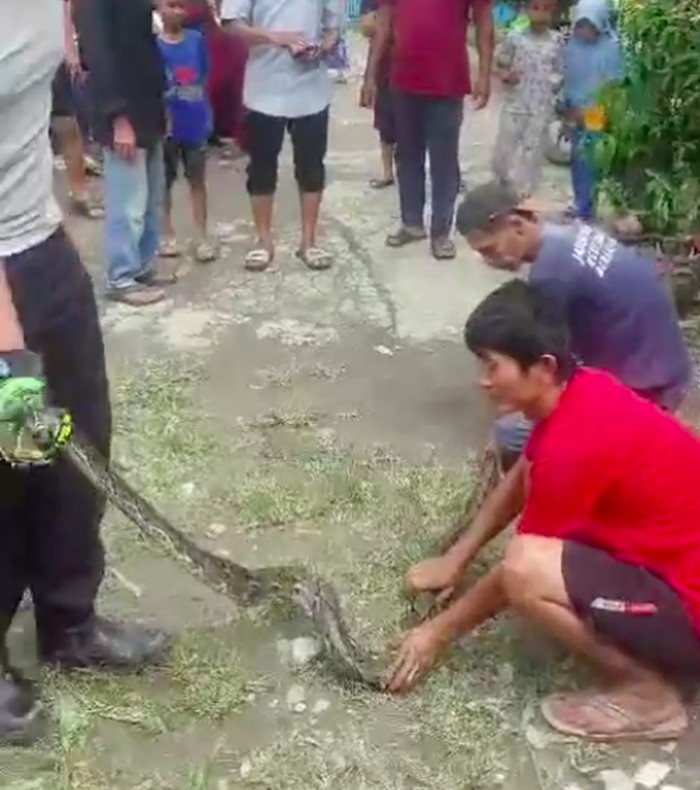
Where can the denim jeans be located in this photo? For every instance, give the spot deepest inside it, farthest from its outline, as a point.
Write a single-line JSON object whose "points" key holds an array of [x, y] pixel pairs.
{"points": [[582, 175], [133, 213], [427, 124]]}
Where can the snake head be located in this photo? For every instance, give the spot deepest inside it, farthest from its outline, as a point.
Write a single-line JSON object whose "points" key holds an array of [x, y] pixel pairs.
{"points": [[308, 595]]}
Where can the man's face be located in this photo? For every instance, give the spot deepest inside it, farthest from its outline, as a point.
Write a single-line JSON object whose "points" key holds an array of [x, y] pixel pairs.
{"points": [[172, 12], [509, 387], [502, 246]]}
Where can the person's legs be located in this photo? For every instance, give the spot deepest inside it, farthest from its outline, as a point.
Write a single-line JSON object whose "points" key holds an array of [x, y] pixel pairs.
{"points": [[384, 124], [264, 136], [582, 177], [310, 142], [443, 124], [126, 197], [625, 620], [171, 159], [195, 160], [410, 117], [62, 511], [153, 213]]}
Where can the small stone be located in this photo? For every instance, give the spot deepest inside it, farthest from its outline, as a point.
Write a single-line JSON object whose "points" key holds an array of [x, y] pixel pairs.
{"points": [[321, 705], [274, 703], [304, 650], [536, 738], [250, 697], [671, 787], [573, 787], [295, 695], [214, 531], [384, 350], [225, 554], [300, 707], [187, 489], [651, 774], [670, 748], [614, 779], [246, 768]]}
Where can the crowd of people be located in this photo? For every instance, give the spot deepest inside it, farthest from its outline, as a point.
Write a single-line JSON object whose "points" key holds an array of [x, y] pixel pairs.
{"points": [[585, 360]]}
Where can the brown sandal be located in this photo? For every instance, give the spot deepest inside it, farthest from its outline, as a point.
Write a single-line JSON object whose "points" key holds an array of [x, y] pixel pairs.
{"points": [[608, 719]]}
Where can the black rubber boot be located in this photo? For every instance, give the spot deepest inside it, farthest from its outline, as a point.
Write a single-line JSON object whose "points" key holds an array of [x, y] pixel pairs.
{"points": [[105, 643]]}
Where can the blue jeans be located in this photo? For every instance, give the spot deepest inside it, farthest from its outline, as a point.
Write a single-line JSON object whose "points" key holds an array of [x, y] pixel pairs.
{"points": [[427, 124], [133, 213], [583, 177]]}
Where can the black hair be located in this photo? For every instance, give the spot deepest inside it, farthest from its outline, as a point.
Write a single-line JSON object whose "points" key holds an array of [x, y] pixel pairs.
{"points": [[520, 321]]}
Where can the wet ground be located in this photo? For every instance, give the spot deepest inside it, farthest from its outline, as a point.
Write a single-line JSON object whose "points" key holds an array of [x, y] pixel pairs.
{"points": [[330, 419]]}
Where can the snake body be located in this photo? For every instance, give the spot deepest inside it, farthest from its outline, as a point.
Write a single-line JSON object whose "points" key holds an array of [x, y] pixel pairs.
{"points": [[317, 599]]}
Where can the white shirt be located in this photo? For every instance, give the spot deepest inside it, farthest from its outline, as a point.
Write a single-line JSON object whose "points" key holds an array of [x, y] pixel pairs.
{"points": [[31, 49], [275, 82]]}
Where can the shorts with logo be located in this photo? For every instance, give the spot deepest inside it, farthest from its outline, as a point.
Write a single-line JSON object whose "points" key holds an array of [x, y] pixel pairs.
{"points": [[192, 157], [633, 609]]}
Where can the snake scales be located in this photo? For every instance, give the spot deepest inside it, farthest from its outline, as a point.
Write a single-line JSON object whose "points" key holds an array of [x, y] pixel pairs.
{"points": [[317, 599]]}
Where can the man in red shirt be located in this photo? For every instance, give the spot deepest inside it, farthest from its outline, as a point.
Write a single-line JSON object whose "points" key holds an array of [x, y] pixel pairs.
{"points": [[429, 78], [606, 556]]}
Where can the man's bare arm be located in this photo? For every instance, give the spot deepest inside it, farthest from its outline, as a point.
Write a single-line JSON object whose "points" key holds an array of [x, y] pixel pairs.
{"points": [[485, 43], [380, 42], [504, 503], [11, 334], [500, 508]]}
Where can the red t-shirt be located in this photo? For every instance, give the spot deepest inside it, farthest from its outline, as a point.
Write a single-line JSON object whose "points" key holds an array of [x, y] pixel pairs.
{"points": [[429, 55], [614, 471]]}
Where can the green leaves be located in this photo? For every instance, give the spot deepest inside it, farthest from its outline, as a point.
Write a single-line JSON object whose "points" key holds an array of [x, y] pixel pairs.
{"points": [[649, 158]]}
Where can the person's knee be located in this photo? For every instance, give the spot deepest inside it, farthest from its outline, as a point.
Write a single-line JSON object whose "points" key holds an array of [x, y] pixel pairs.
{"points": [[525, 567], [310, 176], [262, 177]]}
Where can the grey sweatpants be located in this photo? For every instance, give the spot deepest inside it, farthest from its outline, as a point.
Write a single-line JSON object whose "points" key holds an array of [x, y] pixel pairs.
{"points": [[518, 155]]}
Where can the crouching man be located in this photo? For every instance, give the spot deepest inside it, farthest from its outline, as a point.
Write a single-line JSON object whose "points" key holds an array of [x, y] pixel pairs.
{"points": [[606, 557]]}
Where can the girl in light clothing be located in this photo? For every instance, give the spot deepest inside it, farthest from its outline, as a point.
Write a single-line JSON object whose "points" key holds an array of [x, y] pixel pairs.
{"points": [[529, 63]]}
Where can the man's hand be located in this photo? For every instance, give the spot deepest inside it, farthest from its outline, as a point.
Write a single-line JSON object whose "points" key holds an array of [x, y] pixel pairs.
{"points": [[420, 651], [368, 93], [481, 91], [433, 575], [295, 42], [22, 398], [124, 139]]}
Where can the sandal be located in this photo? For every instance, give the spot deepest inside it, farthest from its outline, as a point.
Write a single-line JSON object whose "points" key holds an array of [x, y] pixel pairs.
{"points": [[135, 295], [205, 252], [443, 248], [315, 258], [405, 235], [156, 276], [607, 720], [258, 260], [381, 183], [169, 248], [86, 207]]}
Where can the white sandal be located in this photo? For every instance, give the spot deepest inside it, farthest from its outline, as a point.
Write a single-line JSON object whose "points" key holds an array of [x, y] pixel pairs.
{"points": [[258, 260]]}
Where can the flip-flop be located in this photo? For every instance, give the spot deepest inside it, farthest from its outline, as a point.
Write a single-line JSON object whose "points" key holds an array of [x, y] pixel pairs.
{"points": [[205, 251], [315, 258], [601, 705], [86, 207], [381, 183], [258, 260], [404, 236]]}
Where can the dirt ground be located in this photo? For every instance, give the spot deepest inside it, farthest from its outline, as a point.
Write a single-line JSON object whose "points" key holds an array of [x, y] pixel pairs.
{"points": [[330, 419]]}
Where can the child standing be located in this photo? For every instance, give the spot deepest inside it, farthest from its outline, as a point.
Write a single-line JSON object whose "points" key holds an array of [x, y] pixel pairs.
{"points": [[592, 60], [529, 64], [189, 122]]}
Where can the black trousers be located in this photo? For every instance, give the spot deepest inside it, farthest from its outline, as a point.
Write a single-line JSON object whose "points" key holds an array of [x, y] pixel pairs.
{"points": [[50, 516], [264, 138]]}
